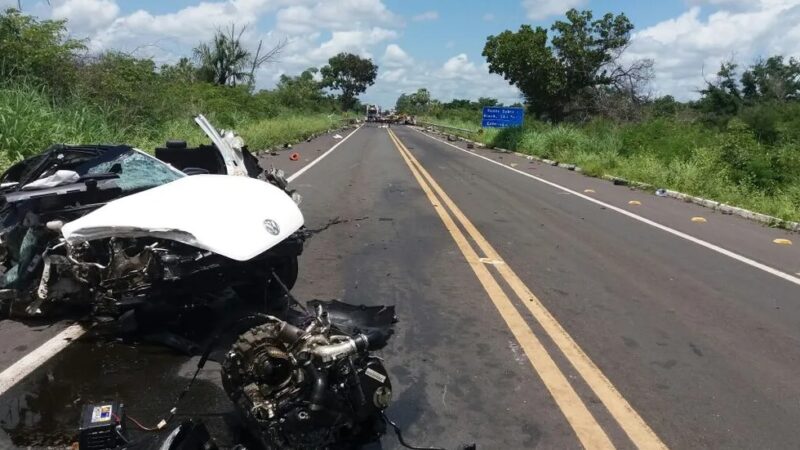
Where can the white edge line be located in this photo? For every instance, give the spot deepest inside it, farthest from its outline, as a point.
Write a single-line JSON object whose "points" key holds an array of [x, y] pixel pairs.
{"points": [[319, 158], [30, 362], [680, 234]]}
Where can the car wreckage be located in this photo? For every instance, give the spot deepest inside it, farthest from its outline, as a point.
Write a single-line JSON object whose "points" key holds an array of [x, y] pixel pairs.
{"points": [[132, 237], [121, 233]]}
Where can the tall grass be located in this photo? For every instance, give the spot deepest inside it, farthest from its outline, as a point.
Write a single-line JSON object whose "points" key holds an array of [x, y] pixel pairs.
{"points": [[729, 166], [30, 121]]}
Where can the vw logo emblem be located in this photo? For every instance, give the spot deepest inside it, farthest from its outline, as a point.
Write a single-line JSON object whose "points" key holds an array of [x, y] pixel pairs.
{"points": [[272, 227]]}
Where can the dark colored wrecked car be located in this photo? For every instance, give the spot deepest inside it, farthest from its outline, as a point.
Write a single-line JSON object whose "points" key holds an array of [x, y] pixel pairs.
{"points": [[115, 231]]}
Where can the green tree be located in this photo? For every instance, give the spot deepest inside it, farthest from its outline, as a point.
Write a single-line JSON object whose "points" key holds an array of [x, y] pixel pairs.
{"points": [[487, 101], [772, 80], [302, 92], [37, 50], [421, 99], [417, 103], [403, 104], [721, 98], [181, 72], [457, 103], [349, 74], [558, 75], [124, 87], [665, 106], [224, 60]]}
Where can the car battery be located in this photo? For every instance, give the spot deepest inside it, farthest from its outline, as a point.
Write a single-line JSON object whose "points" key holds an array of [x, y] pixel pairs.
{"points": [[99, 426]]}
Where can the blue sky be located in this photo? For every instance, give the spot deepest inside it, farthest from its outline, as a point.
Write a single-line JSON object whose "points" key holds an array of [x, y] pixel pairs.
{"points": [[436, 45]]}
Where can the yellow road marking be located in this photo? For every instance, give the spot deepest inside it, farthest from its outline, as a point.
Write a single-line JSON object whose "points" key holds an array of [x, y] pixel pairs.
{"points": [[699, 220], [635, 202], [491, 261], [586, 427], [629, 420], [782, 242]]}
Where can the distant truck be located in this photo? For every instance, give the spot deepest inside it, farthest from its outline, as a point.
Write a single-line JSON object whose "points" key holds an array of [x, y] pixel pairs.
{"points": [[373, 113]]}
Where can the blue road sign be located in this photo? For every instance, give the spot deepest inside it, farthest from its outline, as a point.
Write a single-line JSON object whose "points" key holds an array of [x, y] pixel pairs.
{"points": [[502, 117]]}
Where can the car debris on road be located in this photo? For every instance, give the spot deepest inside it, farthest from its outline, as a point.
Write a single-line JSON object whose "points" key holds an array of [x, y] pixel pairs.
{"points": [[144, 241]]}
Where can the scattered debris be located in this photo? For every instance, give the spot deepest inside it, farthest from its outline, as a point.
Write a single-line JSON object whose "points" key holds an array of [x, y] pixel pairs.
{"points": [[513, 164], [322, 388], [781, 241], [287, 145], [635, 202], [294, 156], [470, 145], [337, 136], [589, 191], [699, 219], [661, 192]]}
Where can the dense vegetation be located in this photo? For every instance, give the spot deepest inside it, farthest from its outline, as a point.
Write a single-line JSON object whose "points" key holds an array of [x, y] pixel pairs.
{"points": [[52, 90], [739, 143]]}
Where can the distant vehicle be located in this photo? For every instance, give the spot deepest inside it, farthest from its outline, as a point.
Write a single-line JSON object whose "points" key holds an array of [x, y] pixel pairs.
{"points": [[373, 113]]}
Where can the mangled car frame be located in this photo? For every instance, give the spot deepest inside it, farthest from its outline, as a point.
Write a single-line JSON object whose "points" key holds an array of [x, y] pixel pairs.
{"points": [[118, 232]]}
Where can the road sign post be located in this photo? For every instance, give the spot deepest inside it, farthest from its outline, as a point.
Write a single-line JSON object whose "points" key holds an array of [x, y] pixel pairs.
{"points": [[502, 117]]}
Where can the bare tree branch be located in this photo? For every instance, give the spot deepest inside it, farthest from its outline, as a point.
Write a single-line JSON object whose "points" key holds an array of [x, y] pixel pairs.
{"points": [[270, 56]]}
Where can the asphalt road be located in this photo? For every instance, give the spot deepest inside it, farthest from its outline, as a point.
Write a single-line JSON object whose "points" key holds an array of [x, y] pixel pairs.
{"points": [[530, 315]]}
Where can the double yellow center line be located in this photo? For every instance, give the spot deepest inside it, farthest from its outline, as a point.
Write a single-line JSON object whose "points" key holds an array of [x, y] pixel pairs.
{"points": [[586, 427]]}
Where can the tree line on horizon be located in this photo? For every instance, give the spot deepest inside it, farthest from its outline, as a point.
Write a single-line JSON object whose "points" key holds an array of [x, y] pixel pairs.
{"points": [[575, 72]]}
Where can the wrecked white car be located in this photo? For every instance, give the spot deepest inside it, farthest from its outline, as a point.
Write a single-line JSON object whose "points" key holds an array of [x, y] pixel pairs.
{"points": [[115, 231]]}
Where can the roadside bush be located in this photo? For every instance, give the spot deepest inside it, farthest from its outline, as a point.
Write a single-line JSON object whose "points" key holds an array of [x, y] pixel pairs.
{"points": [[763, 121], [730, 165], [50, 91], [30, 121], [37, 51]]}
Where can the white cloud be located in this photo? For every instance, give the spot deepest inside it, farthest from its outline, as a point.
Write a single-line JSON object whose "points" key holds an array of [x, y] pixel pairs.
{"points": [[457, 77], [426, 16], [315, 30], [542, 9], [457, 66], [85, 16], [356, 41], [165, 35], [339, 15], [488, 17], [394, 56], [688, 47]]}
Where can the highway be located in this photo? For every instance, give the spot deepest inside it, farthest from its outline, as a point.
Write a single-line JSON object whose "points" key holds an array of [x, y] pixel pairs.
{"points": [[539, 308]]}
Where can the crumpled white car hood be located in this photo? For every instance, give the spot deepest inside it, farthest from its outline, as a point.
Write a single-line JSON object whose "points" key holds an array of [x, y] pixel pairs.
{"points": [[236, 217]]}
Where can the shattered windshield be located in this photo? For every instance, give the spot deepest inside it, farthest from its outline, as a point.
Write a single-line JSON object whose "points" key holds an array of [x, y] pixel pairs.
{"points": [[136, 171], [132, 169]]}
